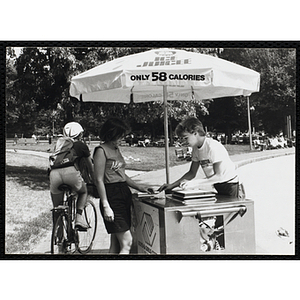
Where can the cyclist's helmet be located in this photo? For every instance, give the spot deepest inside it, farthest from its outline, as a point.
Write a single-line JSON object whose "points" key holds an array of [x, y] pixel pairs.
{"points": [[72, 129]]}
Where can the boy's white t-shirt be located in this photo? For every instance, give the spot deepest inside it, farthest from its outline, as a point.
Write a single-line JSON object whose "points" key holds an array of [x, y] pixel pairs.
{"points": [[212, 152]]}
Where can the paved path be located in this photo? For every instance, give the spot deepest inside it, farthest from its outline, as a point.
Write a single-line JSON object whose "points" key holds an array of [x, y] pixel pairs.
{"points": [[271, 184], [253, 176]]}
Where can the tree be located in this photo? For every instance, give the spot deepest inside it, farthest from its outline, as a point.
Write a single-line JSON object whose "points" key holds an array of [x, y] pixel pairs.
{"points": [[43, 76], [224, 116], [277, 96], [10, 95]]}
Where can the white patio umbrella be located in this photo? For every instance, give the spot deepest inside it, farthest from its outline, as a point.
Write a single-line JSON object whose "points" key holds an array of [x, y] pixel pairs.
{"points": [[162, 75]]}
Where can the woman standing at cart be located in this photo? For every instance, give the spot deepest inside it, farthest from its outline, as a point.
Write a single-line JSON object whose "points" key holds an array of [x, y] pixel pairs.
{"points": [[211, 155], [113, 186]]}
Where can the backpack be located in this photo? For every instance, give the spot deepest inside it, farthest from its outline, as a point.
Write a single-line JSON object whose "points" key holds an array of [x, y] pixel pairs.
{"points": [[64, 154]]}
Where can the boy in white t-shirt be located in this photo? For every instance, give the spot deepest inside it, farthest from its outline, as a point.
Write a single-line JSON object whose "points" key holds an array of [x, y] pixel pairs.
{"points": [[211, 155]]}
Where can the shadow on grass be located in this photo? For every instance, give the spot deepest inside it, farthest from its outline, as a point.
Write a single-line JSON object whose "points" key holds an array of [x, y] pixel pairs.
{"points": [[30, 234], [32, 177]]}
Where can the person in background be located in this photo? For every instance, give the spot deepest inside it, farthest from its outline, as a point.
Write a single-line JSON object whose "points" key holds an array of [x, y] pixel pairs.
{"points": [[49, 139], [15, 139], [34, 138], [113, 186], [211, 155], [69, 174]]}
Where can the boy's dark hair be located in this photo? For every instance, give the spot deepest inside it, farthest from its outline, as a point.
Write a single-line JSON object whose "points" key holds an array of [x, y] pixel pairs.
{"points": [[113, 129], [190, 125]]}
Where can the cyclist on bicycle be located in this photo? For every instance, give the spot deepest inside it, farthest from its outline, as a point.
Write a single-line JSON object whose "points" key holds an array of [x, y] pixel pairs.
{"points": [[69, 174]]}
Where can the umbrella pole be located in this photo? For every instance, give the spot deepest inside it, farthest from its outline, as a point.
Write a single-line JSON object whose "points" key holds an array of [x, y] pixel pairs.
{"points": [[165, 96], [249, 122]]}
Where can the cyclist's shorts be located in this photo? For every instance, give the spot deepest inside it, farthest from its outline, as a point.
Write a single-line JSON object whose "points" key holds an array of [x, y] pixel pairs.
{"points": [[68, 175]]}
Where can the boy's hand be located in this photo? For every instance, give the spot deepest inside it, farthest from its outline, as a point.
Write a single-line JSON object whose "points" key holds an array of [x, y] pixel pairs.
{"points": [[164, 187], [184, 184]]}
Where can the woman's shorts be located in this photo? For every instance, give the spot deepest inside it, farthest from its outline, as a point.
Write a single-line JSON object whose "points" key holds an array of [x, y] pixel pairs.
{"points": [[68, 175], [120, 200]]}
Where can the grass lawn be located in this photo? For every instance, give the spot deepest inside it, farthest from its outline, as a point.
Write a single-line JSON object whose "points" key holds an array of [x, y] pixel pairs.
{"points": [[137, 158], [28, 202]]}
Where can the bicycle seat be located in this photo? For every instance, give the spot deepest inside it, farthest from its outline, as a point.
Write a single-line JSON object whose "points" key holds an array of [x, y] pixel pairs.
{"points": [[65, 188]]}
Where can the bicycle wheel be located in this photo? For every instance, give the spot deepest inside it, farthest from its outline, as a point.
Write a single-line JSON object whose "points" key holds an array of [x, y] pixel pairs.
{"points": [[86, 238], [59, 236], [61, 242]]}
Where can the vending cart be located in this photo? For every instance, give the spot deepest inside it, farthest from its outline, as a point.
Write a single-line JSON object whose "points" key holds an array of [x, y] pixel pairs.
{"points": [[170, 225]]}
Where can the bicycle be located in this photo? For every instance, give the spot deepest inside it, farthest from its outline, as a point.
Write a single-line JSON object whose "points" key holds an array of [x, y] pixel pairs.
{"points": [[66, 239]]}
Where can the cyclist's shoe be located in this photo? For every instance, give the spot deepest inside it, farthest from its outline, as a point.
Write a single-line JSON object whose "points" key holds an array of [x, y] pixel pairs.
{"points": [[80, 223]]}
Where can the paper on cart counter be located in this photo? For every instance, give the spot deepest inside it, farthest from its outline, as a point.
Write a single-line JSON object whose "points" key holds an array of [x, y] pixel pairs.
{"points": [[155, 195], [197, 184]]}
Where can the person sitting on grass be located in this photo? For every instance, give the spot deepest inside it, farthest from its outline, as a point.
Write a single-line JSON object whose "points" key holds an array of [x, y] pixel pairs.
{"points": [[69, 174], [211, 155]]}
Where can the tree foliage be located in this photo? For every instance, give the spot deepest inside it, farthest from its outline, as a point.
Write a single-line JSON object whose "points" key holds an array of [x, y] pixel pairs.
{"points": [[12, 114], [277, 96]]}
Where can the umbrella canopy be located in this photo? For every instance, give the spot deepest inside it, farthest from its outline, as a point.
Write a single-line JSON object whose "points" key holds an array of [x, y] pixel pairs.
{"points": [[187, 75], [161, 75]]}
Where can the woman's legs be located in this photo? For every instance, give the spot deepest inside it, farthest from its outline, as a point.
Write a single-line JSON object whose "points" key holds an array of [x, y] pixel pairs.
{"points": [[114, 244], [125, 241]]}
